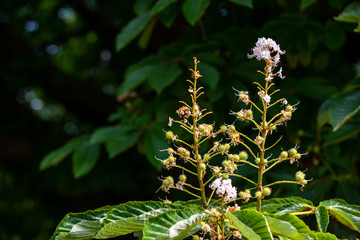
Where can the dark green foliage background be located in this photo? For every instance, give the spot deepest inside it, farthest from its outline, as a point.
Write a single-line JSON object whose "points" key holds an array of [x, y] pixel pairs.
{"points": [[56, 52]]}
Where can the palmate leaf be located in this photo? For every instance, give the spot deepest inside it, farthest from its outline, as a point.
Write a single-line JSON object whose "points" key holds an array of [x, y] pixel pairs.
{"points": [[174, 224], [251, 224], [349, 215], [109, 221], [288, 226], [282, 205]]}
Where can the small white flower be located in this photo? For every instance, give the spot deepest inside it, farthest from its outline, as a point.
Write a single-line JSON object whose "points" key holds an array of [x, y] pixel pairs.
{"points": [[267, 99], [216, 183], [232, 193], [221, 190]]}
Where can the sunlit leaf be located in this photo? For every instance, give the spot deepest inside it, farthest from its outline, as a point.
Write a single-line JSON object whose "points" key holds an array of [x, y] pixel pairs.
{"points": [[351, 13], [174, 224], [132, 30], [288, 226], [245, 3], [251, 224], [80, 226], [322, 218], [282, 205], [55, 157], [129, 217], [343, 108], [194, 9], [325, 236], [347, 214], [85, 158]]}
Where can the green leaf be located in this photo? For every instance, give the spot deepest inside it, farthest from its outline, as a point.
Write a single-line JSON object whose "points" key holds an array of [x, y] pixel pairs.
{"points": [[138, 73], [163, 75], [142, 6], [55, 157], [121, 143], [282, 205], [351, 13], [80, 226], [132, 30], [343, 108], [288, 226], [129, 217], [344, 133], [334, 35], [160, 5], [251, 224], [104, 134], [174, 224], [315, 87], [194, 9], [306, 3], [210, 74], [85, 158], [322, 218], [145, 36], [245, 3], [349, 215], [325, 236], [169, 15], [155, 140]]}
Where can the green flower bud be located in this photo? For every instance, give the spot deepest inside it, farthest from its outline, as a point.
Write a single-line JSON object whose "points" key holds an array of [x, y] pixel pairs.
{"points": [[169, 135], [232, 128], [226, 163], [257, 160], [223, 128], [240, 115], [298, 156], [202, 128], [304, 182], [195, 237], [236, 158], [258, 194], [266, 191], [272, 127], [165, 162], [288, 108], [249, 113], [202, 166], [170, 150], [170, 179], [283, 154], [222, 148], [225, 176], [292, 152], [243, 155], [227, 146], [247, 191], [171, 159], [182, 178], [230, 156], [299, 176], [206, 157]]}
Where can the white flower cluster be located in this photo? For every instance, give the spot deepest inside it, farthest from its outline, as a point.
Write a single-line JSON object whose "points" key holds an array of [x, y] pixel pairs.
{"points": [[264, 48], [224, 186]]}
